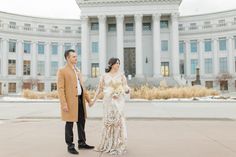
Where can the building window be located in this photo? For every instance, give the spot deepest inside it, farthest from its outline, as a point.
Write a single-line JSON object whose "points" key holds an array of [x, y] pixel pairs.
{"points": [[193, 46], [164, 45], [41, 68], [221, 23], [26, 67], [12, 46], [40, 87], [53, 86], [147, 26], [27, 27], [55, 29], [67, 29], [79, 55], [94, 26], [54, 48], [194, 63], [95, 70], [67, 46], [222, 44], [181, 27], [129, 27], [78, 46], [111, 27], [181, 46], [193, 26], [12, 25], [94, 47], [208, 66], [207, 44], [41, 28], [11, 67], [27, 47], [41, 48], [79, 30], [164, 23], [209, 84], [11, 87], [207, 24], [54, 68], [224, 85], [223, 65]]}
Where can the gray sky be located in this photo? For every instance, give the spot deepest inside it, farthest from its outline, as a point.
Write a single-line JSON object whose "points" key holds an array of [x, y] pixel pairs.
{"points": [[69, 8]]}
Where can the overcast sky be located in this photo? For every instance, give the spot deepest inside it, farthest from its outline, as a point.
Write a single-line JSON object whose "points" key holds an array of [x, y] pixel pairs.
{"points": [[69, 8]]}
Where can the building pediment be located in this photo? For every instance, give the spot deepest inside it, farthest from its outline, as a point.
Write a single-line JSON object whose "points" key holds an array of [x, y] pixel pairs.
{"points": [[82, 3]]}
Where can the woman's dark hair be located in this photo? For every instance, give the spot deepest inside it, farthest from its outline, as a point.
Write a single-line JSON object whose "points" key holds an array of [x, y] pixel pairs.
{"points": [[111, 62]]}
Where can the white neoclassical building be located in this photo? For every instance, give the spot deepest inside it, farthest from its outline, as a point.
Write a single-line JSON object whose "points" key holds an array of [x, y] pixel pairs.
{"points": [[152, 41]]}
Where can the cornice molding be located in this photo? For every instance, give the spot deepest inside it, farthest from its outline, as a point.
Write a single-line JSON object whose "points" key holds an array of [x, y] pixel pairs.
{"points": [[86, 3]]}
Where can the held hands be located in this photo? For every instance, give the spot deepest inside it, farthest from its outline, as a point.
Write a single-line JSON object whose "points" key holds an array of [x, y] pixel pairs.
{"points": [[91, 103]]}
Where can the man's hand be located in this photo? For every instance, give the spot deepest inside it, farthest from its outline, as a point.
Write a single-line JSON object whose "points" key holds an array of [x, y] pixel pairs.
{"points": [[65, 108]]}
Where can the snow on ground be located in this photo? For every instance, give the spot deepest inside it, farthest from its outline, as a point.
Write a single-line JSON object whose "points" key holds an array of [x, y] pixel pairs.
{"points": [[208, 98]]}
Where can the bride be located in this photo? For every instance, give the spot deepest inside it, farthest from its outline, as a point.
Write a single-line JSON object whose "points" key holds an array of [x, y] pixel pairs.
{"points": [[114, 86]]}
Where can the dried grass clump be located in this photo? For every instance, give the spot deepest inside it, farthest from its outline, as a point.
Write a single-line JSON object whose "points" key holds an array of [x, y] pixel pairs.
{"points": [[29, 94], [143, 92], [150, 93]]}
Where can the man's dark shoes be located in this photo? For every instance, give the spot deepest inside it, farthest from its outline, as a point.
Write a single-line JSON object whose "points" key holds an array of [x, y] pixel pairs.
{"points": [[85, 146], [72, 151]]}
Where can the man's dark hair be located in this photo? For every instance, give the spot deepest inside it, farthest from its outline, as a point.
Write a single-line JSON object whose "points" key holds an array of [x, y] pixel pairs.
{"points": [[67, 53]]}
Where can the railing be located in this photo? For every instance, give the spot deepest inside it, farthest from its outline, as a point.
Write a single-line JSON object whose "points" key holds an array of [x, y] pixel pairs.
{"points": [[37, 30]]}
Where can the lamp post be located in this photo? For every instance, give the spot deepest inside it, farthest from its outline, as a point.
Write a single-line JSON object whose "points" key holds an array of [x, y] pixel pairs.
{"points": [[197, 81]]}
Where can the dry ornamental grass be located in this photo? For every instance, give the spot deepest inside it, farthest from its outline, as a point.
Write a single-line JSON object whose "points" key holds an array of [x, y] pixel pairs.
{"points": [[144, 92]]}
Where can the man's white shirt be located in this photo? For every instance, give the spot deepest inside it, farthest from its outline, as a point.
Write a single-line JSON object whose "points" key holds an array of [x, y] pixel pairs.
{"points": [[79, 90]]}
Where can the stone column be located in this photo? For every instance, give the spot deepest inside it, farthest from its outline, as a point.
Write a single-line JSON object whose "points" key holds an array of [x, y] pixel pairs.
{"points": [[33, 61], [201, 57], [175, 44], [215, 57], [85, 45], [120, 40], [102, 43], [19, 61], [230, 56], [187, 59], [47, 60], [5, 58], [138, 45], [156, 45]]}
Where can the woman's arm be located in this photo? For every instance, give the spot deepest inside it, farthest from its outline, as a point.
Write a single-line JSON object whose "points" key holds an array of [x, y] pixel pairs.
{"points": [[125, 84]]}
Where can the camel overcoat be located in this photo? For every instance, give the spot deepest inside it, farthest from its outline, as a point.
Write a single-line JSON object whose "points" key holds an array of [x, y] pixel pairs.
{"points": [[67, 91]]}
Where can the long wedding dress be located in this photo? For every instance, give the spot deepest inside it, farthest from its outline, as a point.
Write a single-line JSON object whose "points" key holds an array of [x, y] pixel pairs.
{"points": [[114, 134]]}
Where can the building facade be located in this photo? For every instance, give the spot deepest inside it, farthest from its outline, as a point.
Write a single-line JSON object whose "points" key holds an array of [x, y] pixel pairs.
{"points": [[149, 37]]}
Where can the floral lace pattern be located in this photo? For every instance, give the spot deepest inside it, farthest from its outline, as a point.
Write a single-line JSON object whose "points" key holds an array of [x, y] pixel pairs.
{"points": [[114, 134]]}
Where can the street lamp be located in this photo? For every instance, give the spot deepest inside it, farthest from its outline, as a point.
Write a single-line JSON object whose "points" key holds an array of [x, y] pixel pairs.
{"points": [[197, 81]]}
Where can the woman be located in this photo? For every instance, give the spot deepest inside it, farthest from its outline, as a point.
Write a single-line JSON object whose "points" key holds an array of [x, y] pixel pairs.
{"points": [[114, 86]]}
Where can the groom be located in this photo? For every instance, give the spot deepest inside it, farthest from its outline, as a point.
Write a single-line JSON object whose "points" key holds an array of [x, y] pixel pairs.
{"points": [[72, 95]]}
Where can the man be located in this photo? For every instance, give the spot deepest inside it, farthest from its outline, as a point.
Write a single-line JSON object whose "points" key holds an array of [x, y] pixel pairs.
{"points": [[73, 95]]}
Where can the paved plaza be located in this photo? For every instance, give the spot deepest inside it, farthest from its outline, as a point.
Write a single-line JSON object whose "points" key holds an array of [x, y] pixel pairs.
{"points": [[155, 129]]}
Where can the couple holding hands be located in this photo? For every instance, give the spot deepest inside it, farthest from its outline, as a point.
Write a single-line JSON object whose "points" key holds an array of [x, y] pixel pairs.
{"points": [[73, 97]]}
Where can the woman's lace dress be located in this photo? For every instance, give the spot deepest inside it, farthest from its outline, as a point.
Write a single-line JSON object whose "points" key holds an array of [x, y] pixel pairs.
{"points": [[114, 134]]}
